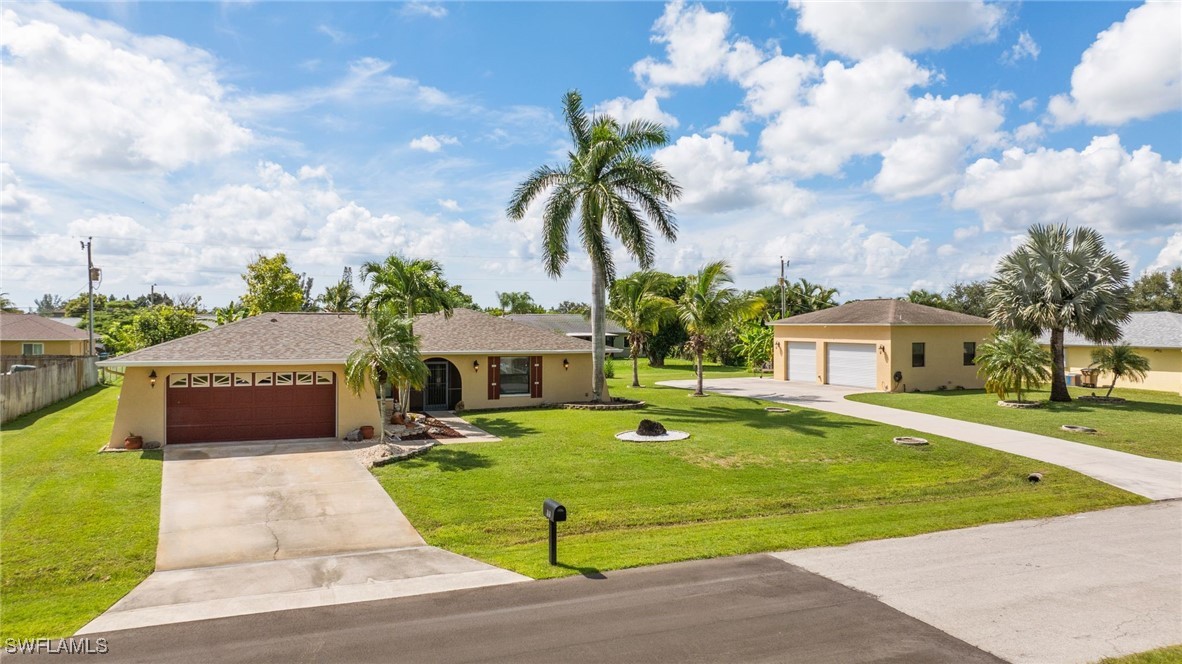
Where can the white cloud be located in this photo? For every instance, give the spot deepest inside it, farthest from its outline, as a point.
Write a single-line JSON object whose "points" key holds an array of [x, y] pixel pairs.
{"points": [[1024, 48], [1029, 133], [86, 96], [1170, 255], [428, 9], [430, 143], [19, 206], [1133, 70], [695, 44], [731, 124], [1103, 186], [448, 204], [1029, 105], [647, 107], [861, 29], [337, 35]]}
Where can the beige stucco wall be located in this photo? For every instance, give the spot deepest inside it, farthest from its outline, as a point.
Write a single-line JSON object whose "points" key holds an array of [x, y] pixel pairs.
{"points": [[944, 350], [1165, 368], [141, 406], [558, 384], [64, 347]]}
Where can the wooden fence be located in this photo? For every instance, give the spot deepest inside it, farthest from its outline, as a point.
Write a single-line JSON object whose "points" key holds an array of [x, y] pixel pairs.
{"points": [[27, 391]]}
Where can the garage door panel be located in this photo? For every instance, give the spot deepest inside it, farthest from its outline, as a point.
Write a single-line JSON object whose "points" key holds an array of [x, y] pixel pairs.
{"points": [[852, 364], [802, 361], [250, 412]]}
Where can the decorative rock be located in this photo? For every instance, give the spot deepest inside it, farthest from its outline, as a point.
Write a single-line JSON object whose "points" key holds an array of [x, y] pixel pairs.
{"points": [[1074, 428], [1034, 478], [1020, 404], [633, 437], [651, 428], [152, 445], [776, 409], [353, 436], [910, 440]]}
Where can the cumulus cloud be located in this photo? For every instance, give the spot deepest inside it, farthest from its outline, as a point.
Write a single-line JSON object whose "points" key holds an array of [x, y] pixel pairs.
{"points": [[1104, 185], [1133, 70], [19, 205], [430, 143], [448, 204], [428, 9], [647, 107], [861, 29], [1024, 48], [83, 95], [695, 44], [1170, 255]]}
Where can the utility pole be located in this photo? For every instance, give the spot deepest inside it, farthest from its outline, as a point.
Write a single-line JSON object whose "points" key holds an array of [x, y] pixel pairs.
{"points": [[783, 295], [89, 290]]}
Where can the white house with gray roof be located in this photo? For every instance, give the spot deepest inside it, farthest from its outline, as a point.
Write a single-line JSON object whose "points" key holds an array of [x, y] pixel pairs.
{"points": [[1157, 335]]}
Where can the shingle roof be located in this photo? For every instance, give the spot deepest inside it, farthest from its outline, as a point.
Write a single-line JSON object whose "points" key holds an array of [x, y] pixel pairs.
{"points": [[31, 327], [564, 323], [328, 338], [1145, 329], [882, 312]]}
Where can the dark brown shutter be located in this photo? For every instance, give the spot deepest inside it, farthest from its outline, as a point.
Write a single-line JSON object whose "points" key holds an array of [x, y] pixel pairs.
{"points": [[535, 377], [494, 377]]}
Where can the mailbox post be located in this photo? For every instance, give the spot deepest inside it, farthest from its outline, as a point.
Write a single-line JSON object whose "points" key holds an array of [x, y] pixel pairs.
{"points": [[554, 512]]}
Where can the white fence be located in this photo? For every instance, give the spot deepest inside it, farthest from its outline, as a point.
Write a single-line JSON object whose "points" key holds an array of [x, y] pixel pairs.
{"points": [[28, 391]]}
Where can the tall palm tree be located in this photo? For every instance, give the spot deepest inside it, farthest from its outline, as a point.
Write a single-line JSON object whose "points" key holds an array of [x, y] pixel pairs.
{"points": [[389, 352], [708, 304], [1121, 361], [637, 304], [1061, 279], [1012, 362], [609, 179], [341, 296]]}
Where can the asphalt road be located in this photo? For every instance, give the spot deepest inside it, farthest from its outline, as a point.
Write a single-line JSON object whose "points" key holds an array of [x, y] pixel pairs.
{"points": [[745, 609]]}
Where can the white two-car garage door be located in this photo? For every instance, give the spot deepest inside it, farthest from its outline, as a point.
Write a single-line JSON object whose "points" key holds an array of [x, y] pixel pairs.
{"points": [[802, 361], [852, 364]]}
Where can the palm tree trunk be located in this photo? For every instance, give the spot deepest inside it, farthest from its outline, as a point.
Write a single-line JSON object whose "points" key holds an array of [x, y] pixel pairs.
{"points": [[699, 392], [1110, 387], [635, 361], [598, 324], [1058, 380]]}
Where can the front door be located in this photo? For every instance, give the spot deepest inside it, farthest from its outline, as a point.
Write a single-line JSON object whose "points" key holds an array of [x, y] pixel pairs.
{"points": [[435, 391]]}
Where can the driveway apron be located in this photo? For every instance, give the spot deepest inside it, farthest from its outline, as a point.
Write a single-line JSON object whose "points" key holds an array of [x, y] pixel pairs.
{"points": [[1156, 479]]}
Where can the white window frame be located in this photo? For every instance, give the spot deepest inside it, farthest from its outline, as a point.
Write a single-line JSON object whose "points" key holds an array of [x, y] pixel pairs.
{"points": [[305, 378], [324, 378], [501, 388], [222, 380], [243, 379], [284, 378], [178, 380], [35, 348], [203, 379], [264, 379]]}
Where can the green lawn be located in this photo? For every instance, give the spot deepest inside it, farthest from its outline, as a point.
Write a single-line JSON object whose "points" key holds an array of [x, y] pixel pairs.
{"points": [[77, 528], [1149, 423], [747, 481], [1167, 655]]}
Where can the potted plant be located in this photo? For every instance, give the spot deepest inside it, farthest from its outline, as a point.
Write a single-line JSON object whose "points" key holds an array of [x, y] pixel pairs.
{"points": [[133, 442], [367, 432]]}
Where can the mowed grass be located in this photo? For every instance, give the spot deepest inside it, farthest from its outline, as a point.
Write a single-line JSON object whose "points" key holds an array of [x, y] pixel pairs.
{"points": [[1167, 655], [1149, 423], [77, 528], [747, 481]]}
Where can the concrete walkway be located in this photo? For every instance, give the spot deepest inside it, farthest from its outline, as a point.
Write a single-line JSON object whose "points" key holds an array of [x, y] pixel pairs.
{"points": [[1069, 589], [256, 527], [1156, 479], [471, 433]]}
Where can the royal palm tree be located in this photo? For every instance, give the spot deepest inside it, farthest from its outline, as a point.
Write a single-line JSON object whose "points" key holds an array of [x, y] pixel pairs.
{"points": [[637, 304], [1061, 279], [609, 185], [1012, 362], [708, 304], [1121, 361], [389, 353]]}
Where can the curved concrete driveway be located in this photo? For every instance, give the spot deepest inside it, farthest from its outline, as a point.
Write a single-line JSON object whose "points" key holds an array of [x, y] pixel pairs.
{"points": [[1153, 478]]}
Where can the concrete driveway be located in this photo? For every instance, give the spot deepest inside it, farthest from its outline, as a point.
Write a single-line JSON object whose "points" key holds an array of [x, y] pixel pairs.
{"points": [[1156, 479], [255, 527], [1069, 589]]}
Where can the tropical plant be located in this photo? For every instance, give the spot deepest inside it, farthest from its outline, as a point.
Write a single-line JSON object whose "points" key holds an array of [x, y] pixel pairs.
{"points": [[800, 297], [755, 343], [969, 297], [230, 313], [409, 287], [568, 307], [150, 327], [637, 305], [609, 185], [341, 296], [708, 304], [928, 299], [389, 353], [518, 303], [1156, 291], [7, 305], [1012, 362], [271, 285], [48, 304], [1121, 361], [1061, 279]]}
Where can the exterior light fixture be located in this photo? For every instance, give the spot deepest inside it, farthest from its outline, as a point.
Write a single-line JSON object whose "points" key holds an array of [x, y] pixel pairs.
{"points": [[152, 378], [565, 364], [475, 365]]}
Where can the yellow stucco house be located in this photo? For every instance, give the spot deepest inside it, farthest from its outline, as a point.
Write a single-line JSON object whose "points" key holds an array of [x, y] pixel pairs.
{"points": [[1155, 335], [281, 376], [30, 335], [881, 345]]}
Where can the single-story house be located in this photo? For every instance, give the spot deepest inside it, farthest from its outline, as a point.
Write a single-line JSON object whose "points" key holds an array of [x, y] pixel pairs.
{"points": [[577, 326], [883, 345], [280, 376], [1156, 335], [30, 334]]}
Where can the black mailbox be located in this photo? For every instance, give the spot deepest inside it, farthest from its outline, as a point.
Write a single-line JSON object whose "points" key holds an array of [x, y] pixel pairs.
{"points": [[553, 510]]}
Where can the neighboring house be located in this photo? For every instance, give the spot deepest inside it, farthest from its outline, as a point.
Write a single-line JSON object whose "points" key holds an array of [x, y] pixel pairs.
{"points": [[280, 376], [883, 345], [30, 334], [1157, 335], [577, 326]]}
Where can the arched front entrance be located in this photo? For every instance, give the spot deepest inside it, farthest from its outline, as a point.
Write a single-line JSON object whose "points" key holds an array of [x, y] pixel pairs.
{"points": [[443, 389]]}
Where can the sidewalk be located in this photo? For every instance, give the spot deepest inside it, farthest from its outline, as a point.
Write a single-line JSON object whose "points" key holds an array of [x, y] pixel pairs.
{"points": [[471, 434]]}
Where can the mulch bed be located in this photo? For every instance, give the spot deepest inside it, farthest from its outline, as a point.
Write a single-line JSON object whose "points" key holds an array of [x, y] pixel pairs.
{"points": [[436, 430]]}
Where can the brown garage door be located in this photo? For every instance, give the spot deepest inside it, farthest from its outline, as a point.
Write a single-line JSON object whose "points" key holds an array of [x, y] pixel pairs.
{"points": [[215, 407]]}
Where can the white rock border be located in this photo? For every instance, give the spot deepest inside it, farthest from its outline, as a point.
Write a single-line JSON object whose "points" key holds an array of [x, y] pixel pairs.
{"points": [[633, 437], [910, 440]]}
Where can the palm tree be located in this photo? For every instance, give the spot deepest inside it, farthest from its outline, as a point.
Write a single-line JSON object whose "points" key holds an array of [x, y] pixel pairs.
{"points": [[1011, 362], [707, 305], [1061, 279], [1121, 361], [230, 313], [608, 180], [518, 303], [638, 306], [341, 296], [7, 305], [389, 352]]}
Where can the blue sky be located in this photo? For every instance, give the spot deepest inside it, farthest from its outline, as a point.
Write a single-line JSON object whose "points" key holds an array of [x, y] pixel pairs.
{"points": [[880, 147]]}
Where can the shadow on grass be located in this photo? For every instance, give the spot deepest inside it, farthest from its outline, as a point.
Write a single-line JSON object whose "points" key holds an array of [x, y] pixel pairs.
{"points": [[587, 572], [503, 427], [806, 422], [1077, 406], [152, 455], [28, 419], [448, 460]]}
